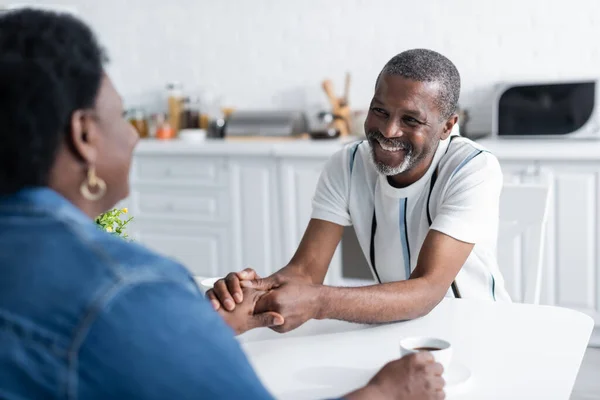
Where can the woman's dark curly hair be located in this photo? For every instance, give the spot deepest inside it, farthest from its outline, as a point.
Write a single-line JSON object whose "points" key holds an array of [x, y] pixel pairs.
{"points": [[50, 66]]}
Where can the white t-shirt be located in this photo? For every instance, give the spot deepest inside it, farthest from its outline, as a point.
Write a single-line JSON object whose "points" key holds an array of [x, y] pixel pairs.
{"points": [[458, 196]]}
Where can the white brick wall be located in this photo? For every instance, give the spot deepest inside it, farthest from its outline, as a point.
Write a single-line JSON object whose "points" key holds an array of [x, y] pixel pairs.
{"points": [[269, 53]]}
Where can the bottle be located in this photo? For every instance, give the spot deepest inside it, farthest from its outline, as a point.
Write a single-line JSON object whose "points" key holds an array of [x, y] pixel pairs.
{"points": [[137, 118], [190, 117], [175, 104], [164, 131]]}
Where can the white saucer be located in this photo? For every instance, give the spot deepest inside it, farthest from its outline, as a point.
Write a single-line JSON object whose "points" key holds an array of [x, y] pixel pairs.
{"points": [[457, 374]]}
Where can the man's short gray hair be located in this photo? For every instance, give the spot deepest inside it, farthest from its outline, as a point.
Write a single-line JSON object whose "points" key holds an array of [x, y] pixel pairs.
{"points": [[424, 65]]}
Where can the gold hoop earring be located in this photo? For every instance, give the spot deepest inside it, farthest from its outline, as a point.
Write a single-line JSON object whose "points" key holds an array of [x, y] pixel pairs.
{"points": [[93, 188]]}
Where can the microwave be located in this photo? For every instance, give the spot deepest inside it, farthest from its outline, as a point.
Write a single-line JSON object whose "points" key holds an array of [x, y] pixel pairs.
{"points": [[543, 110]]}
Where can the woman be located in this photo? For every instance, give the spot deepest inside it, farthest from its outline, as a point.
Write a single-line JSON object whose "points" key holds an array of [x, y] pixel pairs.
{"points": [[83, 313]]}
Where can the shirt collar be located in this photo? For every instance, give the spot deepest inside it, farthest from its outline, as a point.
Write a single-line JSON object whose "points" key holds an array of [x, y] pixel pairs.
{"points": [[416, 187], [42, 200]]}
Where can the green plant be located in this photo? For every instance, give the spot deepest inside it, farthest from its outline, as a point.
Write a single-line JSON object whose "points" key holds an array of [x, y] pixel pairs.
{"points": [[112, 222]]}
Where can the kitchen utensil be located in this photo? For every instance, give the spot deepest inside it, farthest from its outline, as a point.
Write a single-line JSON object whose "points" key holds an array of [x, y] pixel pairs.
{"points": [[340, 106], [266, 123]]}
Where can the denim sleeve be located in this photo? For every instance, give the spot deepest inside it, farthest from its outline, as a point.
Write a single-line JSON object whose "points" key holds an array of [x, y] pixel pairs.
{"points": [[162, 340]]}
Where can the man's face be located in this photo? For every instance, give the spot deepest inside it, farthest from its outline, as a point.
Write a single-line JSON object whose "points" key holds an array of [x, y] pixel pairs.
{"points": [[403, 125]]}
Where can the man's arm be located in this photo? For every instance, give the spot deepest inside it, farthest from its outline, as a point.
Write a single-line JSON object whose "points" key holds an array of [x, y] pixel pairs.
{"points": [[313, 256], [440, 260]]}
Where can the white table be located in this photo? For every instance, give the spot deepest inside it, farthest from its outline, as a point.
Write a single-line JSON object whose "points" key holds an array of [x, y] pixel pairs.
{"points": [[514, 351]]}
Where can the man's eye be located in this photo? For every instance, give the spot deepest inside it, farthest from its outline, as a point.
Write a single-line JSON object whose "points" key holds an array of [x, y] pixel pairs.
{"points": [[411, 121], [379, 111]]}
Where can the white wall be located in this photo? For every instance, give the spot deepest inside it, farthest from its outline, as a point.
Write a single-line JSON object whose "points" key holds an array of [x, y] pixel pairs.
{"points": [[271, 53]]}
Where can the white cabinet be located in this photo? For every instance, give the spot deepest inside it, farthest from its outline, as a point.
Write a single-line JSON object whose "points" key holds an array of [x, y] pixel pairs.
{"points": [[202, 249], [298, 178], [256, 240], [297, 181], [575, 235], [182, 208]]}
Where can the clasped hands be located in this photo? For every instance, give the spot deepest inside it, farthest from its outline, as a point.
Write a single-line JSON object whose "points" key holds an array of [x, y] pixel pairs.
{"points": [[281, 302]]}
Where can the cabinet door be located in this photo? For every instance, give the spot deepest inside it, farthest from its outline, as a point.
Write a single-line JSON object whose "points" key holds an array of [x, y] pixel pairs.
{"points": [[298, 178], [203, 250], [576, 235], [254, 215]]}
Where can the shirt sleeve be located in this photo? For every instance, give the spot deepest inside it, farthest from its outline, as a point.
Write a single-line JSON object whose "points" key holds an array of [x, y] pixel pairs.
{"points": [[470, 205], [162, 340], [330, 202]]}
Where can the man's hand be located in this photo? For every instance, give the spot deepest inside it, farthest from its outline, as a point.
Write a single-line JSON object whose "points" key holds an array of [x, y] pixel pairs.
{"points": [[414, 377], [291, 296], [295, 299], [244, 317], [228, 292]]}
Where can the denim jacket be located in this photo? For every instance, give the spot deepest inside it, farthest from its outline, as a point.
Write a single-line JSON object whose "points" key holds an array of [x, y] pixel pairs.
{"points": [[85, 314]]}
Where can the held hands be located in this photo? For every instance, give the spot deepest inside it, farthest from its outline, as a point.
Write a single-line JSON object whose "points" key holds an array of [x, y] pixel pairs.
{"points": [[245, 316], [291, 297]]}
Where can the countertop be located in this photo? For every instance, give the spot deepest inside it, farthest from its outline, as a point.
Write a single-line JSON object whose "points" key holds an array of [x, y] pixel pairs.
{"points": [[266, 147], [543, 149], [504, 149]]}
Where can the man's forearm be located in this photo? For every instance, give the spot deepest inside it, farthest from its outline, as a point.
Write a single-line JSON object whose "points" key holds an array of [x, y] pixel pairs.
{"points": [[300, 271], [381, 303]]}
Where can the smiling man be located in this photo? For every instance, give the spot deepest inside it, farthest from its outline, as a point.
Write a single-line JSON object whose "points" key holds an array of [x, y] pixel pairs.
{"points": [[423, 201]]}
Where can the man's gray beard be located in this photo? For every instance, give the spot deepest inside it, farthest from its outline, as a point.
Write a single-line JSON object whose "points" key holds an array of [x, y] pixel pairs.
{"points": [[391, 171]]}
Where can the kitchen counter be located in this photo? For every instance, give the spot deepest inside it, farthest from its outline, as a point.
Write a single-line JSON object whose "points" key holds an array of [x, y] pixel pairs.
{"points": [[543, 149], [252, 147]]}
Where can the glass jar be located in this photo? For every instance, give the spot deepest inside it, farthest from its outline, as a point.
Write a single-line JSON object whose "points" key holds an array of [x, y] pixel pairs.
{"points": [[190, 116], [175, 104], [137, 118], [164, 130]]}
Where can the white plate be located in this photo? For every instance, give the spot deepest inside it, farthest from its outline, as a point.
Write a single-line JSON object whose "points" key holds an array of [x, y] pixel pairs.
{"points": [[205, 283]]}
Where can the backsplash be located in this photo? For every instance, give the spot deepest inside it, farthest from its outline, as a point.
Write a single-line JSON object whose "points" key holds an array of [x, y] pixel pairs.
{"points": [[268, 53]]}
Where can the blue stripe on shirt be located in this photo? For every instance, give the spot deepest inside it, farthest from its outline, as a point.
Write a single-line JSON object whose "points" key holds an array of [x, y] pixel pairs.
{"points": [[403, 236], [466, 160], [353, 151]]}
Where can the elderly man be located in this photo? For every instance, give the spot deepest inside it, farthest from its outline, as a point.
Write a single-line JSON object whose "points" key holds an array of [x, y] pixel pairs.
{"points": [[423, 201]]}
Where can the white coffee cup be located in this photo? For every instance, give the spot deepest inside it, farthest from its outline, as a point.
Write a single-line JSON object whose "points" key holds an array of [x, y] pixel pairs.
{"points": [[206, 283], [442, 353]]}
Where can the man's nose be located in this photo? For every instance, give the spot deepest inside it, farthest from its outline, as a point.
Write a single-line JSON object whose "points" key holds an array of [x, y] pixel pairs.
{"points": [[392, 129]]}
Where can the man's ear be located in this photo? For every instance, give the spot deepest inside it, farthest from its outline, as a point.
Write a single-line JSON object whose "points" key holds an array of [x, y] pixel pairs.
{"points": [[448, 126], [83, 136]]}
